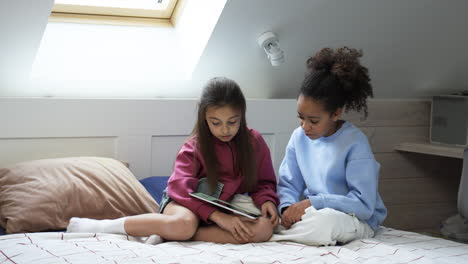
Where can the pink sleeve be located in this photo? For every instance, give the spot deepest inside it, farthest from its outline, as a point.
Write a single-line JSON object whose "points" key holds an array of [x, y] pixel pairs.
{"points": [[266, 186], [184, 180]]}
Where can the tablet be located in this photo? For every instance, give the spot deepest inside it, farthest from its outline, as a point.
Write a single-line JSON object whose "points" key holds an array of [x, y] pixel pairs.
{"points": [[223, 204]]}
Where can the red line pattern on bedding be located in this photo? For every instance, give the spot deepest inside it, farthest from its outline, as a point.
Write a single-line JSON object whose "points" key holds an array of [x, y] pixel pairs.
{"points": [[389, 246]]}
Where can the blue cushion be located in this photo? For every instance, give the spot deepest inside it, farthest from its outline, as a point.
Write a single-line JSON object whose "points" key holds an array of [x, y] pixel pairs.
{"points": [[155, 186]]}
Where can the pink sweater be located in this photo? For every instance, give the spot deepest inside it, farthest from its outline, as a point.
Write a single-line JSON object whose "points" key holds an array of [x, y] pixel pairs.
{"points": [[184, 180]]}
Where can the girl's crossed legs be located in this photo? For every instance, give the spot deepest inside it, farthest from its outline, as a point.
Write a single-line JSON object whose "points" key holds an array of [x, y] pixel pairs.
{"points": [[179, 223], [175, 223]]}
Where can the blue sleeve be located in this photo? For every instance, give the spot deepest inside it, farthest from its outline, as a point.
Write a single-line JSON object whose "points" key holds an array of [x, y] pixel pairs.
{"points": [[291, 184], [362, 180]]}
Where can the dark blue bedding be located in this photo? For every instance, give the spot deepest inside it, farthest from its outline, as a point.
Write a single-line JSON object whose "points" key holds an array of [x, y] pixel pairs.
{"points": [[154, 185]]}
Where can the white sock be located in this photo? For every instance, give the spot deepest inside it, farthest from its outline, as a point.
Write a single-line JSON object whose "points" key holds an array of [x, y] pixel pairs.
{"points": [[154, 240], [86, 225]]}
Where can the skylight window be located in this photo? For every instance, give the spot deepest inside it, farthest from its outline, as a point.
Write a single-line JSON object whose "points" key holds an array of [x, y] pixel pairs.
{"points": [[89, 60], [140, 4], [115, 12]]}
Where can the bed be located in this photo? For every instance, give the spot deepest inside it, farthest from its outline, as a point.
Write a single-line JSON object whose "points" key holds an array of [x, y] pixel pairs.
{"points": [[139, 133], [388, 246]]}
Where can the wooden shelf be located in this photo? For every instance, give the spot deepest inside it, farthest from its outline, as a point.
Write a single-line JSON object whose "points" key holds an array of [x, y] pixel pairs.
{"points": [[431, 149]]}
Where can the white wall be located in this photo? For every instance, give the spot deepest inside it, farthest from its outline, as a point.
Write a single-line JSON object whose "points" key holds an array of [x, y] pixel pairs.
{"points": [[22, 23], [413, 48], [147, 133]]}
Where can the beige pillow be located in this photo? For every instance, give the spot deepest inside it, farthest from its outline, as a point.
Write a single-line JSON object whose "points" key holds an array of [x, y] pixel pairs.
{"points": [[44, 194]]}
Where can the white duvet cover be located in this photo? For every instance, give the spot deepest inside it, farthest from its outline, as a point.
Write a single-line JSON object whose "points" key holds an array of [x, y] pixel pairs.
{"points": [[388, 246]]}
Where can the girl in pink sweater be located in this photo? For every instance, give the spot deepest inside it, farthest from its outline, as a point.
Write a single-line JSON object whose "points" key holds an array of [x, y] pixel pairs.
{"points": [[229, 159]]}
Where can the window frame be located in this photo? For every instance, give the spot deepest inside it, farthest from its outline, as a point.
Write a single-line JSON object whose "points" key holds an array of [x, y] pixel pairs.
{"points": [[71, 13]]}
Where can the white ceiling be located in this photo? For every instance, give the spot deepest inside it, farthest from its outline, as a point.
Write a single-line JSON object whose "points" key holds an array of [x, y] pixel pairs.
{"points": [[413, 49]]}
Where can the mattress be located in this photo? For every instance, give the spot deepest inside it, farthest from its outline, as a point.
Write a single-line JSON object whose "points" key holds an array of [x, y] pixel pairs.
{"points": [[388, 246]]}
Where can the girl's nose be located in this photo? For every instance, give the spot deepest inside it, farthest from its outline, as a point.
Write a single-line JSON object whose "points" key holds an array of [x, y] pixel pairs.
{"points": [[225, 129], [305, 125]]}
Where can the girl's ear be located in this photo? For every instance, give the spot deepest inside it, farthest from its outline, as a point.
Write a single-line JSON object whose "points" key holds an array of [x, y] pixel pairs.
{"points": [[337, 114]]}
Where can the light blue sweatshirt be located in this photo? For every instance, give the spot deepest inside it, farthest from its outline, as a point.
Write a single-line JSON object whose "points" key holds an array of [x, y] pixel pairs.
{"points": [[338, 172]]}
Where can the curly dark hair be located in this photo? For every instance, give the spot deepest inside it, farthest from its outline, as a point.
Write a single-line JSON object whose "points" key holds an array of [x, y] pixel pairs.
{"points": [[337, 79]]}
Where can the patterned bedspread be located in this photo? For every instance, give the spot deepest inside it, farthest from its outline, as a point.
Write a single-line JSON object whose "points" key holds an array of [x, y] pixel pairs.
{"points": [[389, 246]]}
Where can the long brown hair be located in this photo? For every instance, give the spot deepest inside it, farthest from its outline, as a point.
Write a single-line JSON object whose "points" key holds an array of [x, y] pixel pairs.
{"points": [[219, 92]]}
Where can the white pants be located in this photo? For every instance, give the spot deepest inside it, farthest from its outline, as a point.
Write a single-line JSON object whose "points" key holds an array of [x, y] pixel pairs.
{"points": [[246, 202], [324, 227]]}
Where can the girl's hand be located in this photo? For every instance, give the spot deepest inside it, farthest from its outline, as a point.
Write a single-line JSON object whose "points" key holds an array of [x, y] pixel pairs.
{"points": [[269, 211], [233, 224], [294, 213]]}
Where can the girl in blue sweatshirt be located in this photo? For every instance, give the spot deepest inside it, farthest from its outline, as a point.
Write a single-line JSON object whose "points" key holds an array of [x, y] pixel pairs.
{"points": [[328, 179]]}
